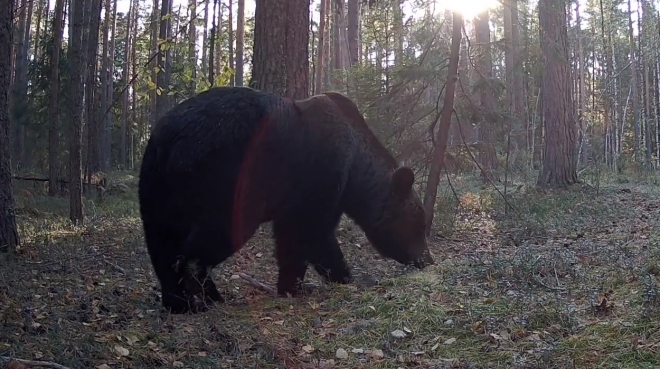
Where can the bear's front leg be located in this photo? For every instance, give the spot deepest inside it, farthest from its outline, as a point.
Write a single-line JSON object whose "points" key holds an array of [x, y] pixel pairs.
{"points": [[328, 260]]}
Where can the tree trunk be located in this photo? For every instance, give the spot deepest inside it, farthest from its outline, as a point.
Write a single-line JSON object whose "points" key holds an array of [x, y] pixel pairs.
{"points": [[214, 31], [581, 95], [43, 9], [93, 121], [517, 70], [192, 46], [8, 229], [230, 30], [509, 61], [162, 82], [205, 44], [328, 47], [53, 101], [643, 25], [110, 93], [353, 25], [240, 41], [218, 45], [337, 64], [398, 32], [635, 94], [153, 90], [104, 86], [76, 62], [559, 159], [123, 147], [18, 102], [486, 131], [318, 79], [134, 70], [281, 25], [445, 121]]}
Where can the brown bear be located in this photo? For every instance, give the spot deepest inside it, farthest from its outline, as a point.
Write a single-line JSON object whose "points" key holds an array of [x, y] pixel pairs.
{"points": [[223, 162]]}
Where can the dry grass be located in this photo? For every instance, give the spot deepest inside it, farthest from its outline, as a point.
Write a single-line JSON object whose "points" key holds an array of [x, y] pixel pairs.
{"points": [[566, 280]]}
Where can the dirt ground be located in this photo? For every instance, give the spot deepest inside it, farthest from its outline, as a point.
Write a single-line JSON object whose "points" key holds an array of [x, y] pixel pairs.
{"points": [[564, 279]]}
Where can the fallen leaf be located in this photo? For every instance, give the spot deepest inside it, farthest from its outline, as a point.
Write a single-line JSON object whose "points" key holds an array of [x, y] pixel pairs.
{"points": [[449, 341], [341, 354], [308, 348], [121, 351], [16, 365], [357, 351], [103, 366], [398, 334], [377, 354], [131, 339]]}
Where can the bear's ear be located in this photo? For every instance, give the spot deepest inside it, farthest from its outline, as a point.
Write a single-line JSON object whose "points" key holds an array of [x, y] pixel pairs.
{"points": [[402, 180]]}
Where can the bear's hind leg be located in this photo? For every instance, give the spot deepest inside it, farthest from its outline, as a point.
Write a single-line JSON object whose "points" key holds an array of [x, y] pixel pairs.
{"points": [[205, 247], [174, 296], [198, 281], [291, 261], [162, 245]]}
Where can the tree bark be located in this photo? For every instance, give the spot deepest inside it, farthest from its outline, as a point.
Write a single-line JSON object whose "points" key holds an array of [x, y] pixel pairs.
{"points": [[634, 84], [211, 68], [559, 160], [230, 30], [8, 229], [162, 82], [337, 65], [123, 146], [76, 73], [240, 41], [43, 9], [192, 46], [153, 90], [486, 131], [445, 122], [205, 33], [110, 94], [281, 48], [93, 121], [353, 26], [53, 101], [318, 79], [18, 102], [517, 70]]}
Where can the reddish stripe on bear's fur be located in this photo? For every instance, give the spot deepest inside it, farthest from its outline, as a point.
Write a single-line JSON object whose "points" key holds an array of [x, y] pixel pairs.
{"points": [[242, 206]]}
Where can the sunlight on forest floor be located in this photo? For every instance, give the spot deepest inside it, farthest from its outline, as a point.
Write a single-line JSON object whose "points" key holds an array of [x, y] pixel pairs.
{"points": [[564, 279]]}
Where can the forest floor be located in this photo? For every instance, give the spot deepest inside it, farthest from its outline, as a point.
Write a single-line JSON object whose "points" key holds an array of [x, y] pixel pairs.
{"points": [[563, 279]]}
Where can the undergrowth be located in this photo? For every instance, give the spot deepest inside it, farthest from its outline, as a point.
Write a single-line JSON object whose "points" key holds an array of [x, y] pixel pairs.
{"points": [[536, 279]]}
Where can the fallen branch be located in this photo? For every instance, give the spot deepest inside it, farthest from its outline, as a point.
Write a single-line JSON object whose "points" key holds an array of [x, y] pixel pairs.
{"points": [[60, 181], [260, 285], [115, 266], [46, 364]]}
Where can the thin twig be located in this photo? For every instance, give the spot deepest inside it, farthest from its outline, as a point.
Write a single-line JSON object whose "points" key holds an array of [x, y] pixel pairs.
{"points": [[115, 266], [47, 364], [260, 285]]}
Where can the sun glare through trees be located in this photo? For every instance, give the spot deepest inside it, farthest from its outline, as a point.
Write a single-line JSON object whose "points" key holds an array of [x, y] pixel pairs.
{"points": [[468, 8]]}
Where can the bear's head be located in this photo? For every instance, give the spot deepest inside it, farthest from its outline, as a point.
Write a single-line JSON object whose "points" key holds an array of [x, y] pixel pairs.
{"points": [[400, 233], [399, 230]]}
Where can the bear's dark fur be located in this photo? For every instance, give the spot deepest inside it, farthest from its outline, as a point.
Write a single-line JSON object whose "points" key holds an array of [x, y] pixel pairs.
{"points": [[228, 159]]}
